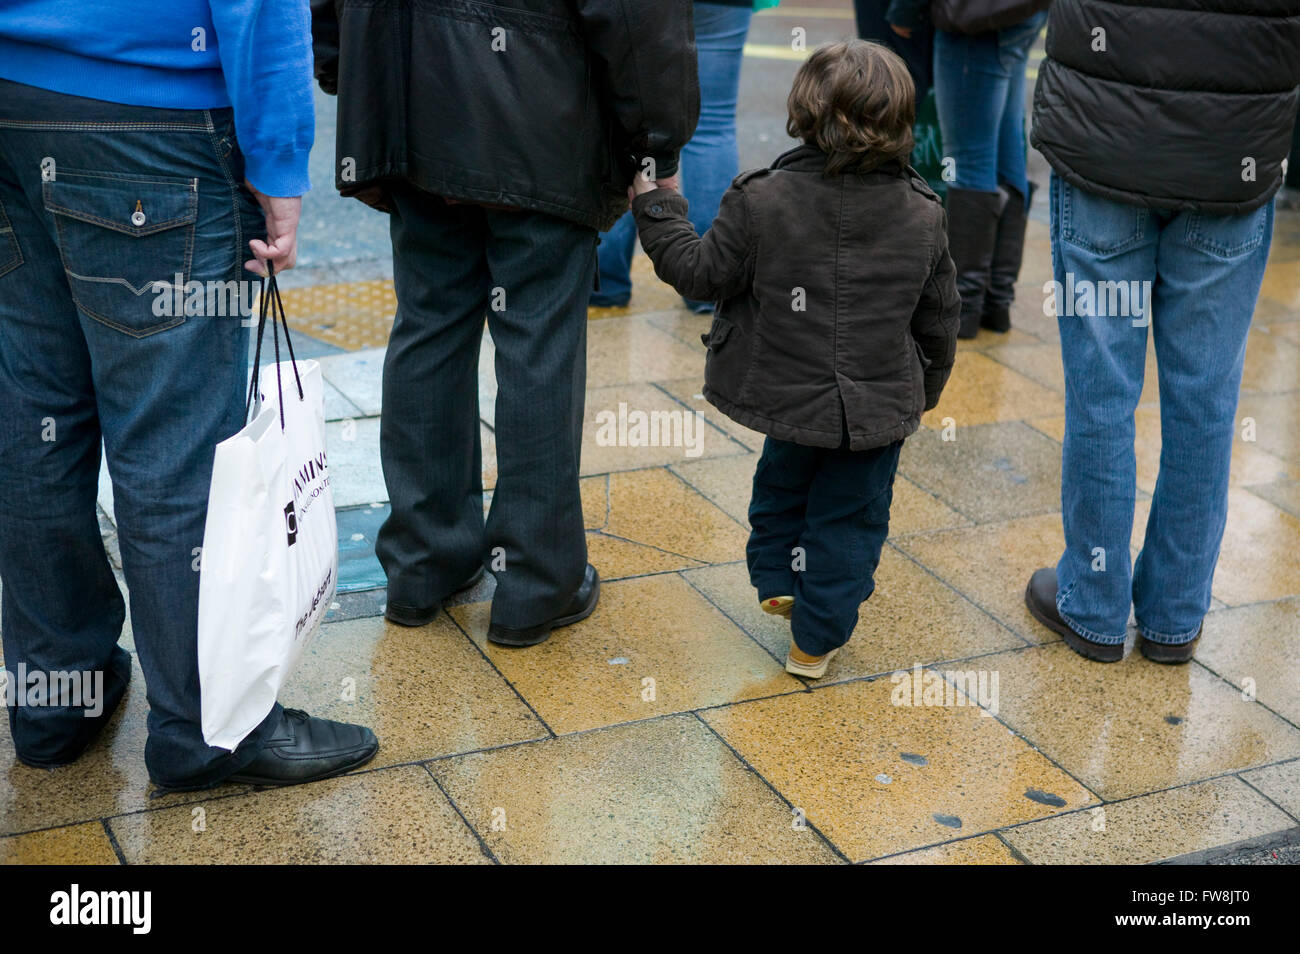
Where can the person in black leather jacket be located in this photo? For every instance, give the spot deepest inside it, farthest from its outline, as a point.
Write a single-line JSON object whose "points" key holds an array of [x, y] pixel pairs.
{"points": [[500, 138]]}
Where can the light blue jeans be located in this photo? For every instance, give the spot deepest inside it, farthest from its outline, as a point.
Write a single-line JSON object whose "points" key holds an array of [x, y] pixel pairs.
{"points": [[1193, 278], [979, 92], [709, 161]]}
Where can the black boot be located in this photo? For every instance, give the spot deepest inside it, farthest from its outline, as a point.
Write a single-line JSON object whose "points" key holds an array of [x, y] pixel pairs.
{"points": [[972, 231], [1008, 251]]}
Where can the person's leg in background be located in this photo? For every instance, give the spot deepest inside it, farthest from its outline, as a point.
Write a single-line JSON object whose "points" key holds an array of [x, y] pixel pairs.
{"points": [[432, 543], [970, 84], [1014, 44], [776, 518], [916, 50], [845, 527], [1210, 268], [1098, 240], [536, 541], [711, 159], [617, 246]]}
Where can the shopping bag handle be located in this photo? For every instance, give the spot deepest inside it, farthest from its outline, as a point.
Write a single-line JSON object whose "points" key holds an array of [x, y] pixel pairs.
{"points": [[271, 300]]}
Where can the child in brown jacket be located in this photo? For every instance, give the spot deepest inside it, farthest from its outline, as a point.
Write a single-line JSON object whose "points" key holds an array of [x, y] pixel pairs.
{"points": [[836, 328]]}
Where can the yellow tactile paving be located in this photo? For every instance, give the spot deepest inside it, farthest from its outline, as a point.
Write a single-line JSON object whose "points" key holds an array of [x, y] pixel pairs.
{"points": [[348, 315]]}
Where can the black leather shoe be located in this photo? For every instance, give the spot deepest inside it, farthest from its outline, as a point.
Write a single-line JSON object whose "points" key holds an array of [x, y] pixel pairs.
{"points": [[1167, 653], [307, 749], [580, 607], [411, 616], [1040, 597]]}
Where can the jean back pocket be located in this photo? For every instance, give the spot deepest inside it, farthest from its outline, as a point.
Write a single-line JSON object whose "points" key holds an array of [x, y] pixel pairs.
{"points": [[124, 239], [1099, 225]]}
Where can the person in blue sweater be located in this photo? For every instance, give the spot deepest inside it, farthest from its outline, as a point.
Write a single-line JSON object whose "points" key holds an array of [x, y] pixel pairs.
{"points": [[142, 145]]}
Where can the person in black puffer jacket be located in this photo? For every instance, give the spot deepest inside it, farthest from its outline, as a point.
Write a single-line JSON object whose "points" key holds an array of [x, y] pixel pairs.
{"points": [[1166, 125], [500, 137]]}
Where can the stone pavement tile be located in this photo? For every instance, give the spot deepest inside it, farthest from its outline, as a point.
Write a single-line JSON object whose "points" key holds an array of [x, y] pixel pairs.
{"points": [[1257, 648], [727, 481], [993, 341], [109, 778], [487, 381], [338, 407], [633, 351], [878, 778], [391, 816], [359, 377], [1274, 422], [1290, 330], [1260, 556], [1040, 363], [1272, 363], [84, 844], [426, 691], [992, 565], [663, 791], [595, 501], [1281, 783], [1279, 295], [1283, 493], [1250, 464], [618, 559], [659, 509], [608, 445], [688, 391], [1134, 726], [981, 390], [983, 850], [912, 617], [656, 628], [357, 474], [1153, 827], [914, 510], [686, 326], [988, 472]]}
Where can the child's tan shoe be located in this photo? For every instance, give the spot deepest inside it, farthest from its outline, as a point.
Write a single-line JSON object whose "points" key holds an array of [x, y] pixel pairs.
{"points": [[799, 663], [778, 605]]}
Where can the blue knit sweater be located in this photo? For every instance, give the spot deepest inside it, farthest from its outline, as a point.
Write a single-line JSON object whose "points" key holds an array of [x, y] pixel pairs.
{"points": [[254, 55]]}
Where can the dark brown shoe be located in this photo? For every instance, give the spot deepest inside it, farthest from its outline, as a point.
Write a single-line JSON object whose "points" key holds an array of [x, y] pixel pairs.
{"points": [[1168, 654], [1040, 597]]}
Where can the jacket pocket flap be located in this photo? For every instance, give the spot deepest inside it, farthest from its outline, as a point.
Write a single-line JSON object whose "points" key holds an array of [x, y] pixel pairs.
{"points": [[132, 205], [717, 334]]}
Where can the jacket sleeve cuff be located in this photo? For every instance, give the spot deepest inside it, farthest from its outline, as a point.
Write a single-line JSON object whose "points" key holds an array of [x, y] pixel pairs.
{"points": [[283, 175], [665, 164], [659, 204]]}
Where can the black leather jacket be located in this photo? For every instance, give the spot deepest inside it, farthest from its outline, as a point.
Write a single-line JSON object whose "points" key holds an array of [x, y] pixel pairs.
{"points": [[549, 105]]}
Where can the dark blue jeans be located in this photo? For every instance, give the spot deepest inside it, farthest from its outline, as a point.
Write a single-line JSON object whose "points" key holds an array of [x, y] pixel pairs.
{"points": [[104, 201], [530, 275], [709, 161], [819, 519]]}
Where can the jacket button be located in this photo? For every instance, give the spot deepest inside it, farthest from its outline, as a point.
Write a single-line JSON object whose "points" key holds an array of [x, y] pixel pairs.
{"points": [[656, 208], [137, 218]]}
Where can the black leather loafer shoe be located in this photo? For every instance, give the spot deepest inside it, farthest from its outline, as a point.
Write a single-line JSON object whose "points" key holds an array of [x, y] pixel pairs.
{"points": [[1167, 653], [411, 616], [1040, 597], [307, 749], [580, 607]]}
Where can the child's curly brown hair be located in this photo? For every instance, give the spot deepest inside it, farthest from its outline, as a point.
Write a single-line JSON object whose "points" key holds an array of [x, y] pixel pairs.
{"points": [[855, 101]]}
